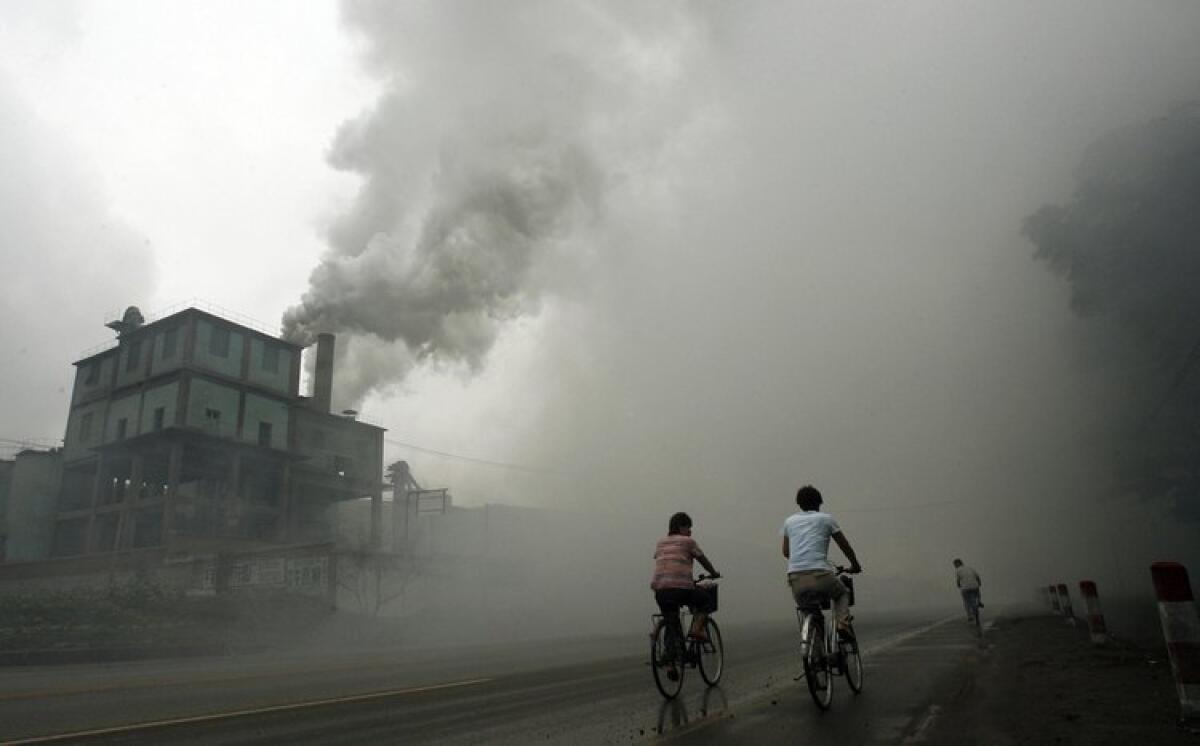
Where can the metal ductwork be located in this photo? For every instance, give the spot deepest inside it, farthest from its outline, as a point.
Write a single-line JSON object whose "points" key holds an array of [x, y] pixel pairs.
{"points": [[323, 375]]}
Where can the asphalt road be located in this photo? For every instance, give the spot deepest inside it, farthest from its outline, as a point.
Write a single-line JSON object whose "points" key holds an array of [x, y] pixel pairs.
{"points": [[580, 691]]}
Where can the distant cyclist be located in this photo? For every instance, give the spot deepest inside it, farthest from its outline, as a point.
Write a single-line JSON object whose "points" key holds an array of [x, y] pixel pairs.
{"points": [[673, 584], [806, 536], [968, 584]]}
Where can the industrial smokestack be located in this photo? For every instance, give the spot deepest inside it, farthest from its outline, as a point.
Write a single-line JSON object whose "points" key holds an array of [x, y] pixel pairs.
{"points": [[323, 376]]}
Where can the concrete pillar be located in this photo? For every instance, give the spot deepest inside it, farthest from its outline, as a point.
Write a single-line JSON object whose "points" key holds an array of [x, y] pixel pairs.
{"points": [[377, 519], [1181, 630], [323, 373], [174, 472], [1095, 617], [285, 505]]}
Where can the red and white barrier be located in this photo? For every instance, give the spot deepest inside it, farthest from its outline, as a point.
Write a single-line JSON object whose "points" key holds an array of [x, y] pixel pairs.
{"points": [[1095, 617], [1181, 628], [1064, 600], [1054, 599]]}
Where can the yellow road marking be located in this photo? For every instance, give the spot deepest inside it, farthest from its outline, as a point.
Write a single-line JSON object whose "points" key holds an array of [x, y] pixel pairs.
{"points": [[242, 713], [154, 682]]}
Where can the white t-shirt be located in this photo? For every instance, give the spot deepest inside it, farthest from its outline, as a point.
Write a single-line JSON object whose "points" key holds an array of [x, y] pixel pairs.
{"points": [[808, 535], [968, 579]]}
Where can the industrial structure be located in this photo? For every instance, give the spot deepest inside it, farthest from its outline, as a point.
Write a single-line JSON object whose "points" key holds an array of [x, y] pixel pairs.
{"points": [[188, 438]]}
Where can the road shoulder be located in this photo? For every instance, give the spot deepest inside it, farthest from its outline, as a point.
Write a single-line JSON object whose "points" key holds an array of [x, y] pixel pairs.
{"points": [[1042, 681]]}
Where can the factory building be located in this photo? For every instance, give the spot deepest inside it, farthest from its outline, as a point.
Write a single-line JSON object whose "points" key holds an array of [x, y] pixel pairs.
{"points": [[188, 437]]}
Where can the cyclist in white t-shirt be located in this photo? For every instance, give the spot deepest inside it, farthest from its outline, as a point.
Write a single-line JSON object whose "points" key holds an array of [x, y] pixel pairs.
{"points": [[806, 536]]}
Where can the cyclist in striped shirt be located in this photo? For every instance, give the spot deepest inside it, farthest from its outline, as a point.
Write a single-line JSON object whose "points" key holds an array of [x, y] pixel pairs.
{"points": [[672, 583]]}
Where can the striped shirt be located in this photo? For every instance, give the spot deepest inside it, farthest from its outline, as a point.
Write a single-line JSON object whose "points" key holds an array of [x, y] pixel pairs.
{"points": [[673, 562]]}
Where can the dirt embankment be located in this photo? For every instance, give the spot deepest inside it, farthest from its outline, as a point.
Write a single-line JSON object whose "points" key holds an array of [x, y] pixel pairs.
{"points": [[1041, 681]]}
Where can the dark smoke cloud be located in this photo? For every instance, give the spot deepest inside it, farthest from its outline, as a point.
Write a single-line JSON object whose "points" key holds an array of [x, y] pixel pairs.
{"points": [[1128, 244], [488, 154]]}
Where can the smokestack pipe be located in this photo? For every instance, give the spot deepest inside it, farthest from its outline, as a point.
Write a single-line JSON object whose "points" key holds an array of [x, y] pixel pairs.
{"points": [[323, 375]]}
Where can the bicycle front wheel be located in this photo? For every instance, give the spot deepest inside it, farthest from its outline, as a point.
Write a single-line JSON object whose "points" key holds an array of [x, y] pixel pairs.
{"points": [[816, 664], [852, 663], [663, 660], [712, 654]]}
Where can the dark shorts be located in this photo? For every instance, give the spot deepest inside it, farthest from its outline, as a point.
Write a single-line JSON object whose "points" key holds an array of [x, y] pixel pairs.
{"points": [[670, 599]]}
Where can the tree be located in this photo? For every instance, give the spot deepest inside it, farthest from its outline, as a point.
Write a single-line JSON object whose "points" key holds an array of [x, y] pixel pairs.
{"points": [[376, 579], [1128, 243]]}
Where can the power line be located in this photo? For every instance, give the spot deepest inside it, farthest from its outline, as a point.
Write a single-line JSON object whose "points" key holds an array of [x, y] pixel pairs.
{"points": [[911, 506], [471, 459]]}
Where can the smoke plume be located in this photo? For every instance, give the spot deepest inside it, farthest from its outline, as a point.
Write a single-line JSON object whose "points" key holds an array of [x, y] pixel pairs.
{"points": [[497, 137]]}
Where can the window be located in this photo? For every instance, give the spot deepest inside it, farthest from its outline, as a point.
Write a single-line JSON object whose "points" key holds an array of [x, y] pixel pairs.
{"points": [[218, 343], [341, 465], [93, 373], [160, 416], [264, 434], [122, 427], [270, 360], [133, 355], [212, 419], [85, 427], [170, 343]]}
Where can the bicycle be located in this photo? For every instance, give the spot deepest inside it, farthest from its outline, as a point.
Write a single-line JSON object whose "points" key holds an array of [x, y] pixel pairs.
{"points": [[971, 599], [688, 652], [824, 652]]}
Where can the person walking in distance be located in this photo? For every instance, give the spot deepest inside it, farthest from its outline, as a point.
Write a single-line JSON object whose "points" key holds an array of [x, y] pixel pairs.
{"points": [[806, 534], [968, 584]]}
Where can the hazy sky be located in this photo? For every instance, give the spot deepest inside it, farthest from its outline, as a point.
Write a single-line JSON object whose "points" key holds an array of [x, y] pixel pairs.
{"points": [[668, 256]]}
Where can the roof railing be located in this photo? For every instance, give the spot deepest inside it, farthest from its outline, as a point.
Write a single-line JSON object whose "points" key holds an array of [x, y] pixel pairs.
{"points": [[197, 303]]}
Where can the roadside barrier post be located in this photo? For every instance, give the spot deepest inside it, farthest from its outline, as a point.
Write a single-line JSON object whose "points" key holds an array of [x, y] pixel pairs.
{"points": [[1054, 599], [1095, 617], [1181, 628], [1064, 598]]}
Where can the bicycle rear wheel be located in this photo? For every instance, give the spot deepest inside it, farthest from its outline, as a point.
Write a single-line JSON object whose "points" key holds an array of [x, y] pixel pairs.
{"points": [[661, 658], [816, 664], [851, 662], [712, 654]]}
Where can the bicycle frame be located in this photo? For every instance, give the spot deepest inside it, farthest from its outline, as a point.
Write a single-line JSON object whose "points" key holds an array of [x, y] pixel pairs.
{"points": [[806, 617], [685, 619]]}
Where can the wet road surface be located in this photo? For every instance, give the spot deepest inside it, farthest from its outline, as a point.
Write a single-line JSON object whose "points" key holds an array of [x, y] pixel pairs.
{"points": [[591, 691]]}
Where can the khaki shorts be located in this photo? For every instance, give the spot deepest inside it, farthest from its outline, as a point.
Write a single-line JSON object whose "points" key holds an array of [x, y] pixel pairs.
{"points": [[815, 580]]}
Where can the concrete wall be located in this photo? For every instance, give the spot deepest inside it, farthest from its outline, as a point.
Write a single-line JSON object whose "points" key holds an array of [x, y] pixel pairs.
{"points": [[134, 351], [204, 395], [205, 356], [125, 408], [29, 510], [328, 441], [6, 470], [103, 379], [260, 371], [77, 442], [166, 397], [261, 409], [168, 357]]}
